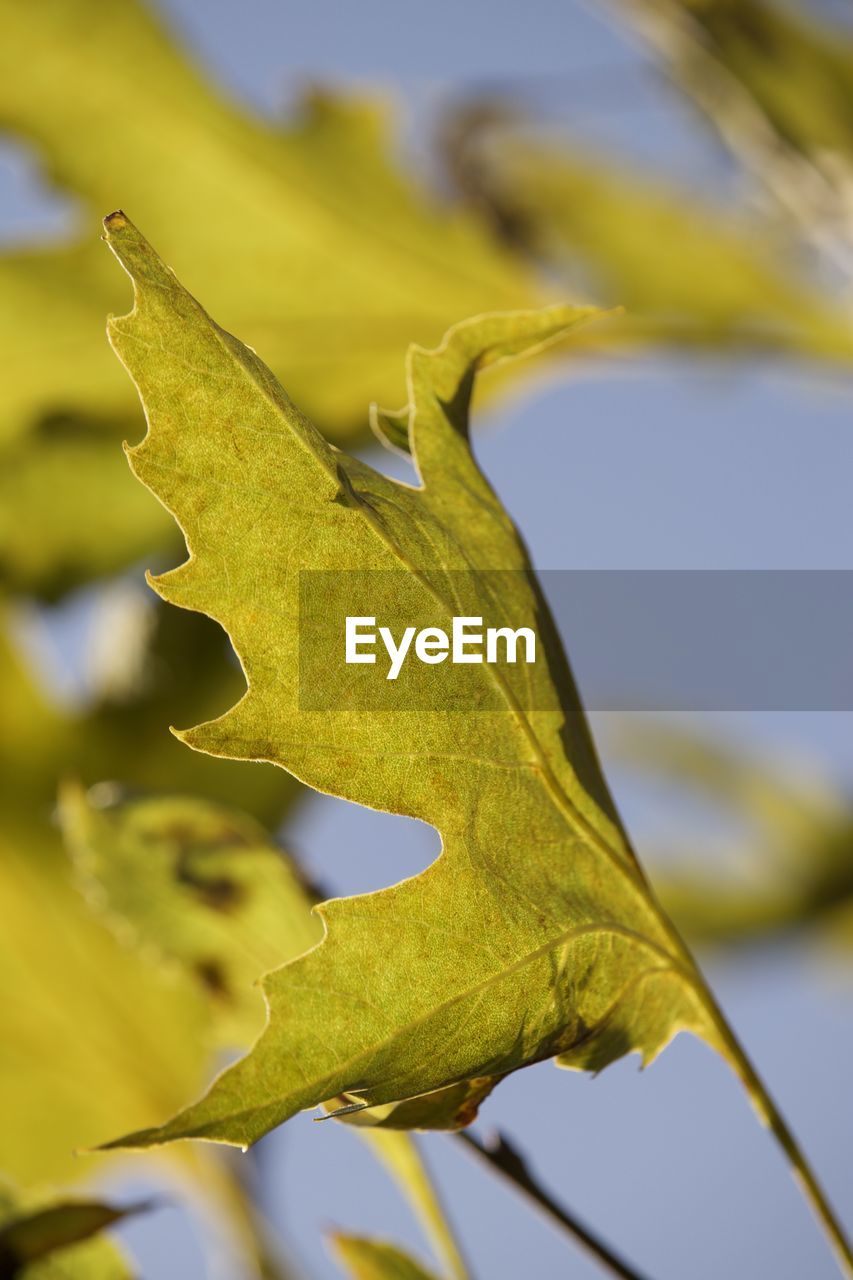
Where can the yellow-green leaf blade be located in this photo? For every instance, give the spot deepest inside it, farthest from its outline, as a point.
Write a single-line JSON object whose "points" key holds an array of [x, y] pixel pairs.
{"points": [[533, 935]]}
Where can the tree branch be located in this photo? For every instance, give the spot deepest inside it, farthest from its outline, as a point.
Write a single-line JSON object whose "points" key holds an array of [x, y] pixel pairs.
{"points": [[502, 1157]]}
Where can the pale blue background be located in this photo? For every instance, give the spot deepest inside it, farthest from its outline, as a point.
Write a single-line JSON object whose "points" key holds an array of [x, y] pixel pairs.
{"points": [[678, 464]]}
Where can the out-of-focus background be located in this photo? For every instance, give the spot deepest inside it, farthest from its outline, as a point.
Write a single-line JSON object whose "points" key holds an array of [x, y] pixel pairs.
{"points": [[694, 162]]}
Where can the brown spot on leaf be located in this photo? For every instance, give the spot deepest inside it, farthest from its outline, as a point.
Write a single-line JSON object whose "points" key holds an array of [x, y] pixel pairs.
{"points": [[213, 978], [220, 892]]}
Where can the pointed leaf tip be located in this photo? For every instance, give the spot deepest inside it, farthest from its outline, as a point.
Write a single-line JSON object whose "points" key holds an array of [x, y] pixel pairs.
{"points": [[115, 221]]}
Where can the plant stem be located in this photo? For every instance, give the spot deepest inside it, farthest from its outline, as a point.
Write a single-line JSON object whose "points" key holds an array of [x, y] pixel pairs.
{"points": [[770, 1115], [765, 1107], [502, 1157]]}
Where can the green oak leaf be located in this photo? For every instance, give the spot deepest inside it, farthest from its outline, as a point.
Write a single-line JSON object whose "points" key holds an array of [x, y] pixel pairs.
{"points": [[365, 1259], [534, 934]]}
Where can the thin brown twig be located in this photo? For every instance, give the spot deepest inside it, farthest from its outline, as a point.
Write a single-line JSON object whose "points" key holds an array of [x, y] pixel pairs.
{"points": [[502, 1158]]}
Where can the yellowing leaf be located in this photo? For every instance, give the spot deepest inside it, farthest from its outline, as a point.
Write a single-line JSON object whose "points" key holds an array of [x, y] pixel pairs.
{"points": [[376, 1260], [534, 934], [96, 1033], [91, 1032]]}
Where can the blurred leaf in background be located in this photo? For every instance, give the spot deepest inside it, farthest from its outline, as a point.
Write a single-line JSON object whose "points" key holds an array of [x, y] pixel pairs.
{"points": [[59, 1239], [91, 1030], [333, 252], [123, 734], [775, 82], [198, 888], [104, 1015], [204, 896], [690, 273], [312, 241], [788, 868], [376, 1260]]}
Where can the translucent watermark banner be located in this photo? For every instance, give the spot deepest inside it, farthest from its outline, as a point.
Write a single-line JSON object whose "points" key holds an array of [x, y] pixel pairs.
{"points": [[639, 640]]}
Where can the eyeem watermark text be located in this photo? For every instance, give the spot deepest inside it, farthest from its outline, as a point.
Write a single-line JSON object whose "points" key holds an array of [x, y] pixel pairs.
{"points": [[639, 640], [468, 642]]}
